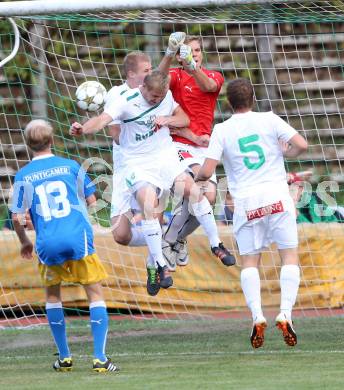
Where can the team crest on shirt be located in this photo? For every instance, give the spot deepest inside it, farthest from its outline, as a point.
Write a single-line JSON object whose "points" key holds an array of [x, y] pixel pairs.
{"points": [[150, 124]]}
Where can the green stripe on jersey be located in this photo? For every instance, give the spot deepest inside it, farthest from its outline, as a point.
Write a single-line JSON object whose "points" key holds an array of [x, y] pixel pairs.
{"points": [[132, 96], [142, 114], [124, 91]]}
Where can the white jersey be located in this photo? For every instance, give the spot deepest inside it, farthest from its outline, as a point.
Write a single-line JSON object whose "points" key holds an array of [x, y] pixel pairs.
{"points": [[252, 156], [140, 138], [112, 96]]}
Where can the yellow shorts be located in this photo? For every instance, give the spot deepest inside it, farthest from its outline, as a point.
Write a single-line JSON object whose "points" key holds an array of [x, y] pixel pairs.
{"points": [[87, 270]]}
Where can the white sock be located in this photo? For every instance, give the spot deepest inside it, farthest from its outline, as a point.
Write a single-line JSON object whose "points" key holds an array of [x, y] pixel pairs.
{"points": [[204, 214], [138, 238], [180, 216], [289, 282], [150, 261], [250, 284], [151, 230]]}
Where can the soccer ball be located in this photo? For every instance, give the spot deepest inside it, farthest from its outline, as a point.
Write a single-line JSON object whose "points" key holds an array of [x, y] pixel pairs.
{"points": [[90, 96]]}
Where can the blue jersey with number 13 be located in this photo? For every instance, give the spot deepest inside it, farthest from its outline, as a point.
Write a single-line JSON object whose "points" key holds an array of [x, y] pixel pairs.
{"points": [[53, 189]]}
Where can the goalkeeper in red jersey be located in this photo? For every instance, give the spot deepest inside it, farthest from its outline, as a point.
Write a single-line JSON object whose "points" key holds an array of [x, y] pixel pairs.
{"points": [[196, 90]]}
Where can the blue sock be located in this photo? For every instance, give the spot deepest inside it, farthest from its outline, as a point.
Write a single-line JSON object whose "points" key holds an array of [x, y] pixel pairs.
{"points": [[58, 328], [99, 325]]}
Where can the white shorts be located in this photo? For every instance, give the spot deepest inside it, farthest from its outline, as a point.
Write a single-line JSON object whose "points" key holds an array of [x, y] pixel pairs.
{"points": [[190, 155], [160, 172], [121, 199], [257, 229]]}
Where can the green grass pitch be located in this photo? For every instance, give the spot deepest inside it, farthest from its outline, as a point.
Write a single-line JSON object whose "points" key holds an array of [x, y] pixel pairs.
{"points": [[202, 354]]}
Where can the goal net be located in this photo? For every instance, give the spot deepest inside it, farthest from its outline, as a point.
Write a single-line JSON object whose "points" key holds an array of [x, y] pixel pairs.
{"points": [[293, 53]]}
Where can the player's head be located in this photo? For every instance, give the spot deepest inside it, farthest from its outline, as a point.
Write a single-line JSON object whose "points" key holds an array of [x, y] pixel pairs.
{"points": [[196, 48], [155, 87], [136, 66], [240, 94], [38, 135]]}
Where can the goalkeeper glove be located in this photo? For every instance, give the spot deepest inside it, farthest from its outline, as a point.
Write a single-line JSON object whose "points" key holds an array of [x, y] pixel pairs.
{"points": [[186, 57], [174, 41]]}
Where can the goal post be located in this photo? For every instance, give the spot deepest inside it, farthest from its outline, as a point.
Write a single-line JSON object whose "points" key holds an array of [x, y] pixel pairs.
{"points": [[292, 51]]}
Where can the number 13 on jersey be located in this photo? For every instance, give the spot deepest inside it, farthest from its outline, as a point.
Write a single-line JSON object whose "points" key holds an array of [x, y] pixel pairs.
{"points": [[248, 145], [53, 200]]}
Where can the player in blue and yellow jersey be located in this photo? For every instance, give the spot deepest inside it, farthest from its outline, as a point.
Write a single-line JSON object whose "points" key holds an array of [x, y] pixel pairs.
{"points": [[56, 190]]}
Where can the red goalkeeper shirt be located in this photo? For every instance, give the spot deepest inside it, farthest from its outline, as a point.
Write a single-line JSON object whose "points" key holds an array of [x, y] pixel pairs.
{"points": [[198, 105]]}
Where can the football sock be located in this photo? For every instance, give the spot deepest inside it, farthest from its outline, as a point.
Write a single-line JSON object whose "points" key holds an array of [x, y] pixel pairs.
{"points": [[137, 238], [204, 214], [57, 325], [180, 216], [289, 282], [150, 261], [152, 233], [99, 326], [189, 227], [250, 284]]}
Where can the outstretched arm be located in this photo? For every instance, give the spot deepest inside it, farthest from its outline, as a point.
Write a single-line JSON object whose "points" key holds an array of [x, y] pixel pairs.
{"points": [[175, 40], [92, 126], [165, 64]]}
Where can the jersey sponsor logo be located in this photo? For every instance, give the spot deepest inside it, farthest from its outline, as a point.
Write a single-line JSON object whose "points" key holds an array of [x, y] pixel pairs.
{"points": [[40, 175], [142, 137], [184, 154], [274, 208]]}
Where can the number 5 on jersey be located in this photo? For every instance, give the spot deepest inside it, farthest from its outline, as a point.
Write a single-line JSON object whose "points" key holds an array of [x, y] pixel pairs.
{"points": [[246, 145]]}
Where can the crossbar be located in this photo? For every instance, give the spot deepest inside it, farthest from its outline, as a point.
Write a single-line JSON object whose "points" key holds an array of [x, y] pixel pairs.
{"points": [[39, 7]]}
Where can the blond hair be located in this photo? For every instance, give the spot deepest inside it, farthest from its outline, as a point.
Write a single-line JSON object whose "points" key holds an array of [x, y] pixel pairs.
{"points": [[190, 38], [157, 80], [132, 60], [38, 135]]}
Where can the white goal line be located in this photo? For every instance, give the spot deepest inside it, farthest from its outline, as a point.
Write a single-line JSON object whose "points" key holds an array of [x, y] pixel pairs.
{"points": [[43, 7], [291, 352]]}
